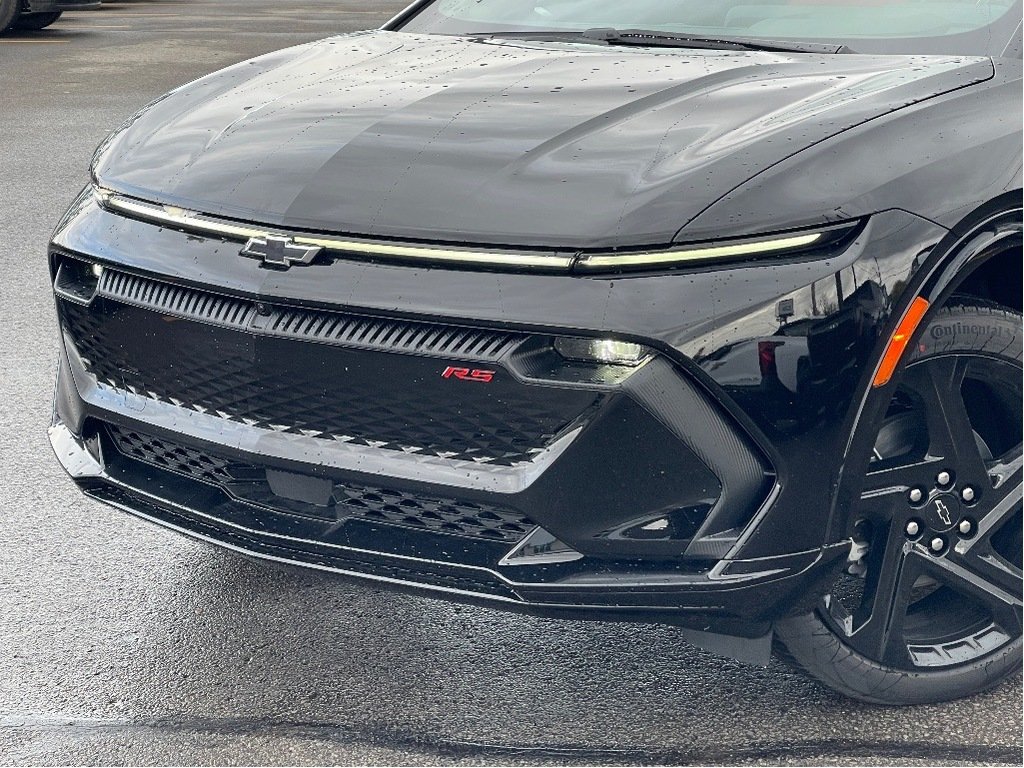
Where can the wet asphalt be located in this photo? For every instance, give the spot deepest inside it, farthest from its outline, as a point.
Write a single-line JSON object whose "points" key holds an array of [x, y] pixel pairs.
{"points": [[121, 643]]}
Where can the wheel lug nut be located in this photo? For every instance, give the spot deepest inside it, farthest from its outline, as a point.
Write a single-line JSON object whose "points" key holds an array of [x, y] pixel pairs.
{"points": [[916, 494], [937, 544], [913, 528], [967, 494], [944, 478], [965, 527]]}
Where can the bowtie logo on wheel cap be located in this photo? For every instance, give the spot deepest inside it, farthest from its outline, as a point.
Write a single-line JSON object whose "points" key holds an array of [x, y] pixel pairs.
{"points": [[279, 252], [945, 512]]}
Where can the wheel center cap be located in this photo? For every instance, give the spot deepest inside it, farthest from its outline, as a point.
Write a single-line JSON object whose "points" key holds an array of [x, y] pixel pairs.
{"points": [[943, 512]]}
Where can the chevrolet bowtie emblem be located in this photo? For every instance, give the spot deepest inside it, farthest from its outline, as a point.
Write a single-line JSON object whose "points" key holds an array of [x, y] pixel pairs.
{"points": [[279, 252]]}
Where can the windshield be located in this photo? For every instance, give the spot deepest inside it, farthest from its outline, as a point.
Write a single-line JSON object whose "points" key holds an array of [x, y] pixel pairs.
{"points": [[979, 27]]}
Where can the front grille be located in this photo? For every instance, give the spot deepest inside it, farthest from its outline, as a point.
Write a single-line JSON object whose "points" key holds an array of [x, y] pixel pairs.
{"points": [[309, 325], [350, 500], [365, 381]]}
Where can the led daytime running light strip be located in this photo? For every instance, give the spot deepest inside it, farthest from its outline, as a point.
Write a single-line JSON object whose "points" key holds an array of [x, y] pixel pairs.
{"points": [[197, 222], [683, 255], [200, 223]]}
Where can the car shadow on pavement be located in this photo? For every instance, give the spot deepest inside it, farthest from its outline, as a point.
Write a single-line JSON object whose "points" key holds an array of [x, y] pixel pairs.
{"points": [[250, 645]]}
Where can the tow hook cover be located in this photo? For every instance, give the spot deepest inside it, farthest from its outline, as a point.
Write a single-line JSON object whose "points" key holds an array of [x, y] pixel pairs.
{"points": [[304, 488]]}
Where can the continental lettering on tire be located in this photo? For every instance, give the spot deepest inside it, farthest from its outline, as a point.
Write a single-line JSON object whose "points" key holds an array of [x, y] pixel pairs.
{"points": [[945, 331], [468, 374]]}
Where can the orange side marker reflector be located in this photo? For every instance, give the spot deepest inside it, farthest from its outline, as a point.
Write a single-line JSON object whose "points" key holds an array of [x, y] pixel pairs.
{"points": [[900, 339]]}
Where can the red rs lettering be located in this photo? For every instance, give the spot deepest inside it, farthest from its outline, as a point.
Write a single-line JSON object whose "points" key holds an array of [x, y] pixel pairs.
{"points": [[465, 374], [456, 373]]}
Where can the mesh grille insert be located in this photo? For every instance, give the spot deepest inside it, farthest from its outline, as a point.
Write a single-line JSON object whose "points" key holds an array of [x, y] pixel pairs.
{"points": [[391, 402], [169, 455], [433, 514], [393, 507]]}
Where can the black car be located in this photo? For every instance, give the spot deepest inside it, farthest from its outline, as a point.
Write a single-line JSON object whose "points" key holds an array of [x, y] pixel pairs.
{"points": [[699, 312], [33, 15]]}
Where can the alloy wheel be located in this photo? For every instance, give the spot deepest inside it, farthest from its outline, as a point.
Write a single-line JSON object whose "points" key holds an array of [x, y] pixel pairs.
{"points": [[938, 583]]}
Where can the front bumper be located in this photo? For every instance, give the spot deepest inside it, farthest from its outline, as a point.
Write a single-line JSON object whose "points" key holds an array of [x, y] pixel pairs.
{"points": [[557, 488], [680, 492], [726, 600], [645, 526]]}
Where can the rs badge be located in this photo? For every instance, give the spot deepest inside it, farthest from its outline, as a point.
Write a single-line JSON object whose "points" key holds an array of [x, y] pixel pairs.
{"points": [[468, 374]]}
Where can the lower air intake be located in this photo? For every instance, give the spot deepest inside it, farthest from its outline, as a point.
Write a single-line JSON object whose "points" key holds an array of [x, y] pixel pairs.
{"points": [[349, 500]]}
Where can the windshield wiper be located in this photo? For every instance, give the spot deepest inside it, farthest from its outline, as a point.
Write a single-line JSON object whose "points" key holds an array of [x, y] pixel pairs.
{"points": [[654, 37], [531, 34], [646, 37]]}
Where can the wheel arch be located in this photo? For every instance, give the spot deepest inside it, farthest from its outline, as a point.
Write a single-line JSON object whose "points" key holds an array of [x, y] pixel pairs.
{"points": [[969, 261], [990, 268]]}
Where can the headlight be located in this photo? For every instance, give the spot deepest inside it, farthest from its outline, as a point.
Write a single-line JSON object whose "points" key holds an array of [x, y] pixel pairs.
{"points": [[77, 281], [608, 351]]}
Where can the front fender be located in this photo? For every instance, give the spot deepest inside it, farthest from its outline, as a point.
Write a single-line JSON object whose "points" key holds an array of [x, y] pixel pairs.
{"points": [[965, 249]]}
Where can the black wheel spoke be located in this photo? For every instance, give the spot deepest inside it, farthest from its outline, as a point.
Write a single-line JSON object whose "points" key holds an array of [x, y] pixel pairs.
{"points": [[878, 626], [987, 578], [1007, 471], [950, 434], [974, 566], [895, 482]]}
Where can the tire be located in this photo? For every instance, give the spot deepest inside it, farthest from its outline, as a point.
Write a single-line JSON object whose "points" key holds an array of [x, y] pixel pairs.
{"points": [[9, 10], [33, 22], [913, 653]]}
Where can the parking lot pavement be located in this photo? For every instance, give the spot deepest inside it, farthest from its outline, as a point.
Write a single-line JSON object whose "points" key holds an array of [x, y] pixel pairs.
{"points": [[120, 643]]}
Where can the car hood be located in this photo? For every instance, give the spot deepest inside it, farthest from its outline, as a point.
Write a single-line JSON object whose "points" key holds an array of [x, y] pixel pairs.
{"points": [[386, 134]]}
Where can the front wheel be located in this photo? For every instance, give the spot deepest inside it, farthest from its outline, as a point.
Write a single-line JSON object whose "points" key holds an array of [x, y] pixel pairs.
{"points": [[932, 610], [32, 22], [9, 10]]}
